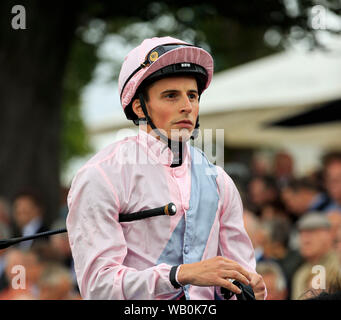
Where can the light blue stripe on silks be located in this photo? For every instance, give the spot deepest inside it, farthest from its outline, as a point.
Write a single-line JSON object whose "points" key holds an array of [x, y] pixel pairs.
{"points": [[189, 238], [203, 206], [172, 253]]}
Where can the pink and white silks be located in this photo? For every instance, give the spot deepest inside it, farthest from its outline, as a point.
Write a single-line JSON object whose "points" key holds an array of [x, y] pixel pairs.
{"points": [[132, 260]]}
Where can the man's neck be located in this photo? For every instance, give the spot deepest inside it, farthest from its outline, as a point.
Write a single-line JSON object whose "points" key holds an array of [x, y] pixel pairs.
{"points": [[177, 147]]}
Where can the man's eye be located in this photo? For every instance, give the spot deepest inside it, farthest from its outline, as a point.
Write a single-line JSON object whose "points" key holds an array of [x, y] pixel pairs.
{"points": [[193, 96]]}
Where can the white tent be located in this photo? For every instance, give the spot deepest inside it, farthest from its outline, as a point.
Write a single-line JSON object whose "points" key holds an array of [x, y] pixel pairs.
{"points": [[243, 99]]}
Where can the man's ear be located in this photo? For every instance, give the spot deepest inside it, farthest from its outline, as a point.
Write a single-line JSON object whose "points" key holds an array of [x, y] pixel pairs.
{"points": [[137, 108]]}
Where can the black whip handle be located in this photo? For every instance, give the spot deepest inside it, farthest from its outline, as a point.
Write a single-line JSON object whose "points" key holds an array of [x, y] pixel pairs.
{"points": [[9, 242], [169, 210]]}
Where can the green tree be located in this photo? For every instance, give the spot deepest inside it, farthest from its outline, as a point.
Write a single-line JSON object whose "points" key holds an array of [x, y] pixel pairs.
{"points": [[79, 71]]}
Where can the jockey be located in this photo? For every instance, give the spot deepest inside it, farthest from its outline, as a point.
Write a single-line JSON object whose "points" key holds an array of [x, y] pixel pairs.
{"points": [[189, 255]]}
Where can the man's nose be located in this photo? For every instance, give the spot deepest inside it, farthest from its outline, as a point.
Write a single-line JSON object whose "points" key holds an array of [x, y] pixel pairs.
{"points": [[186, 105]]}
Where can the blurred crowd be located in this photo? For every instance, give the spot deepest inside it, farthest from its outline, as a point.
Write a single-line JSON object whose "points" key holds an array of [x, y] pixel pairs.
{"points": [[294, 224], [39, 269]]}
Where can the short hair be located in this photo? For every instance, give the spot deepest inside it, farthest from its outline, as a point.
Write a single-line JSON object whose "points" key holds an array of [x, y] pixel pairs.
{"points": [[271, 267], [331, 157], [302, 184], [268, 180], [279, 231]]}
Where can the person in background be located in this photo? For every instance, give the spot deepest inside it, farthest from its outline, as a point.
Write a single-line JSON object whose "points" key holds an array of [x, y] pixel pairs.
{"points": [[55, 283], [274, 211], [60, 250], [260, 165], [261, 191], [4, 234], [283, 168], [257, 233], [332, 176], [63, 211], [274, 279], [316, 248], [28, 214], [337, 244], [334, 218], [5, 212], [301, 196], [23, 269], [316, 178], [34, 265], [17, 287], [277, 249], [334, 290]]}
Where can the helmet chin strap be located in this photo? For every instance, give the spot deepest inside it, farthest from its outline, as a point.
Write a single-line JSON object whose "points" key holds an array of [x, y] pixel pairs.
{"points": [[175, 146]]}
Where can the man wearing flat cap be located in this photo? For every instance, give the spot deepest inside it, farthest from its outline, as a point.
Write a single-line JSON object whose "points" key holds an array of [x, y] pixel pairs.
{"points": [[321, 261]]}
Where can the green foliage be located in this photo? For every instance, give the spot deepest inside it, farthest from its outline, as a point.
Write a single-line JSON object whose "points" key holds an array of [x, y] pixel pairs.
{"points": [[230, 41], [74, 136]]}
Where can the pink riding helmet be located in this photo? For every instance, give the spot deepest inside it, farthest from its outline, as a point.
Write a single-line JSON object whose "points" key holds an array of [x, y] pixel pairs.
{"points": [[146, 60]]}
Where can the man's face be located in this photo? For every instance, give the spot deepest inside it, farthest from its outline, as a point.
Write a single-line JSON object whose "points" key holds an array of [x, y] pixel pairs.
{"points": [[260, 193], [294, 201], [257, 191], [315, 243], [24, 211], [173, 106], [333, 180]]}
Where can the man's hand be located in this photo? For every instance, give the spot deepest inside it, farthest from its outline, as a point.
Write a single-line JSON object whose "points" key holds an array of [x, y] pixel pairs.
{"points": [[214, 272], [258, 286]]}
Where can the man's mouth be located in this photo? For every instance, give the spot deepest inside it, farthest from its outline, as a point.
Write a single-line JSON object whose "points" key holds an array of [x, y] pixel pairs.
{"points": [[184, 123]]}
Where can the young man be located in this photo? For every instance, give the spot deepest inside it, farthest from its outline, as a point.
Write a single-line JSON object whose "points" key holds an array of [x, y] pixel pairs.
{"points": [[189, 255]]}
